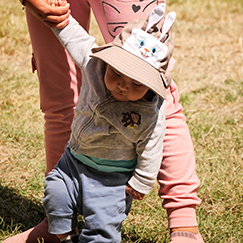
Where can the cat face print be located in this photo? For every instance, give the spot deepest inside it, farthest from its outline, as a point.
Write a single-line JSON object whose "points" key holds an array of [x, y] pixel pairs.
{"points": [[145, 46], [119, 13]]}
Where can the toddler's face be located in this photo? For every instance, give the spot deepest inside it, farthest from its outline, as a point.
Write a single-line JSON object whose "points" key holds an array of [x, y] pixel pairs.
{"points": [[122, 87]]}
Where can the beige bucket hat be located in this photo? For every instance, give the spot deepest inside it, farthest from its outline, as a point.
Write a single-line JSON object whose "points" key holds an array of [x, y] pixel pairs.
{"points": [[143, 49]]}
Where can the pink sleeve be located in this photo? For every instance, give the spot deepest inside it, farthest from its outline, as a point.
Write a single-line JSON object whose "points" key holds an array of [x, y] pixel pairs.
{"points": [[177, 176]]}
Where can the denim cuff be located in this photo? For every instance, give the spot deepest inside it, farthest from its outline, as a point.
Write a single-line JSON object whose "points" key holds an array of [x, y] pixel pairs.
{"points": [[62, 224]]}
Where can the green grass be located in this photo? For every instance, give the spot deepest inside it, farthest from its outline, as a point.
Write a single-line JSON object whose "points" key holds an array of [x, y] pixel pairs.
{"points": [[209, 53]]}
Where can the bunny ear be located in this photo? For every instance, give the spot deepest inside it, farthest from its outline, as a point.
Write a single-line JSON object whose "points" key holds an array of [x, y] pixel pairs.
{"points": [[156, 15], [169, 20]]}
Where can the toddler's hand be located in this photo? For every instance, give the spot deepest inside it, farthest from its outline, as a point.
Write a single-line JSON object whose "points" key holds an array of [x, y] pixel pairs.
{"points": [[62, 3], [133, 193]]}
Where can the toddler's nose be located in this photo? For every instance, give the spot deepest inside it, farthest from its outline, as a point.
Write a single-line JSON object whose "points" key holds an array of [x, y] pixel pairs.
{"points": [[122, 85]]}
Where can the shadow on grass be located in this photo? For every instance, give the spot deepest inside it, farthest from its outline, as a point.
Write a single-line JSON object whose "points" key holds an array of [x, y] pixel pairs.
{"points": [[18, 212]]}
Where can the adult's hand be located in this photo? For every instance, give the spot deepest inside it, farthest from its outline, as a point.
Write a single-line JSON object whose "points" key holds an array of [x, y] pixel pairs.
{"points": [[52, 16]]}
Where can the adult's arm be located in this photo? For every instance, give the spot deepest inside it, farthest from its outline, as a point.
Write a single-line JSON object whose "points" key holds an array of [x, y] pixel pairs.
{"points": [[55, 17]]}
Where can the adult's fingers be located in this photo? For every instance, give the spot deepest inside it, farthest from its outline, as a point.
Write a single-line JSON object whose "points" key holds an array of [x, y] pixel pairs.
{"points": [[57, 11], [56, 19], [58, 25]]}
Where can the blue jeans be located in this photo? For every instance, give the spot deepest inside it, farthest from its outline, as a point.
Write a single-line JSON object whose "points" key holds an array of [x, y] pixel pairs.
{"points": [[73, 188]]}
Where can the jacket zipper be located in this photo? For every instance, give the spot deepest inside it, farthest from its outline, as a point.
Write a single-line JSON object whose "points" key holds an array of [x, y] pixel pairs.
{"points": [[90, 120]]}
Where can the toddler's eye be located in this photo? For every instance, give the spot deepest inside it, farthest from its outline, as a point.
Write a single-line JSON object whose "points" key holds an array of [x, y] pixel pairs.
{"points": [[154, 50], [136, 84], [117, 74], [141, 43]]}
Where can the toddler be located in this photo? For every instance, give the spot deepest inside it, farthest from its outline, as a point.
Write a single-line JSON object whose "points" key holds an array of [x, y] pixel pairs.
{"points": [[115, 149]]}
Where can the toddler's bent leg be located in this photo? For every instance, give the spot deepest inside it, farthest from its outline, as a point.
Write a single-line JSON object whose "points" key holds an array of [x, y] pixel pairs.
{"points": [[104, 205], [59, 207], [62, 195]]}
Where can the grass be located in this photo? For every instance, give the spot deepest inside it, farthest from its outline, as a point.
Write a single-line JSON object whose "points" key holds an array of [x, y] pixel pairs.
{"points": [[209, 52]]}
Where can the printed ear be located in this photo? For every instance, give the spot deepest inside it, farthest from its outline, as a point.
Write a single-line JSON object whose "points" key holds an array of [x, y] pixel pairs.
{"points": [[169, 21], [156, 15]]}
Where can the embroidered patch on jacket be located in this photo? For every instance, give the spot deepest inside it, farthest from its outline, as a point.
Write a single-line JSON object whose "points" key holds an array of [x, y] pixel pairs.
{"points": [[131, 119]]}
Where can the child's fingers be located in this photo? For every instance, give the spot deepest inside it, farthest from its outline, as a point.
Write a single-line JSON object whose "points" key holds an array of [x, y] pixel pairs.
{"points": [[62, 2], [134, 194], [62, 24]]}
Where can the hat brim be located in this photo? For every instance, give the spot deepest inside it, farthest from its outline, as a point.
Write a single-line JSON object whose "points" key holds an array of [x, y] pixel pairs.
{"points": [[132, 66]]}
